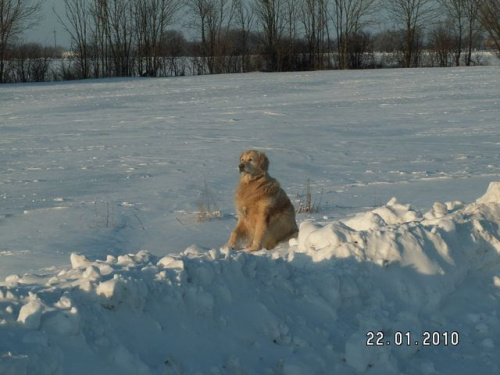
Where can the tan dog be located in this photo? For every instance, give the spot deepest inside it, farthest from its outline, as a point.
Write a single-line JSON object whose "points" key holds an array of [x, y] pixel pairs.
{"points": [[265, 214]]}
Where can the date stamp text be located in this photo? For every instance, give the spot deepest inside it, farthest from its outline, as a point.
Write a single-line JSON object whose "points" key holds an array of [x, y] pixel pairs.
{"points": [[400, 338]]}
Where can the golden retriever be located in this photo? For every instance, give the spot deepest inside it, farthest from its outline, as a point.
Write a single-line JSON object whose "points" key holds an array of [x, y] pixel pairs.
{"points": [[265, 214]]}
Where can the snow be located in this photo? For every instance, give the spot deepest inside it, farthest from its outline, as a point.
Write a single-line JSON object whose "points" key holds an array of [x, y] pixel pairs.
{"points": [[406, 243], [492, 195]]}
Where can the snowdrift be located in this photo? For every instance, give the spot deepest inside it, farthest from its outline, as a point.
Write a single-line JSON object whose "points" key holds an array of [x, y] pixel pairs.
{"points": [[309, 307]]}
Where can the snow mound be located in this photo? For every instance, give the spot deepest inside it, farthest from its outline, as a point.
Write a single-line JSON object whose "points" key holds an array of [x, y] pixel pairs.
{"points": [[308, 307], [492, 194]]}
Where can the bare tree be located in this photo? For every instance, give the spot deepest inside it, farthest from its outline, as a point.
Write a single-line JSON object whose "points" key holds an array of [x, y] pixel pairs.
{"points": [[16, 16], [349, 17], [455, 10], [200, 10], [361, 46], [213, 19], [490, 19], [443, 44], [114, 19], [77, 22], [173, 47], [244, 21], [288, 47], [270, 16], [276, 19], [464, 15], [472, 17], [152, 19], [220, 22], [412, 16], [313, 15]]}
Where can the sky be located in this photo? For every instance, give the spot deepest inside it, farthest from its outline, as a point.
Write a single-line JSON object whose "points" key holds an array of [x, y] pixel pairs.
{"points": [[44, 32]]}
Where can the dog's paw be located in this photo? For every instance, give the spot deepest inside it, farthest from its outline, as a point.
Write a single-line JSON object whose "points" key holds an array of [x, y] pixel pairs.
{"points": [[252, 249]]}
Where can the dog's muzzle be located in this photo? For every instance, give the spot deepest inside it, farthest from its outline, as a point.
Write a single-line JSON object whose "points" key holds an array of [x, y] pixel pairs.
{"points": [[241, 167]]}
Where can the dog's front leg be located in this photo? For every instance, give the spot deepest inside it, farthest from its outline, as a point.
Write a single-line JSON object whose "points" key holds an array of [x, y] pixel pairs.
{"points": [[260, 230], [238, 232]]}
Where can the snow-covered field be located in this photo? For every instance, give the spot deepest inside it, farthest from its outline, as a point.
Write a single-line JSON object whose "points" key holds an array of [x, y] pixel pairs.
{"points": [[106, 268]]}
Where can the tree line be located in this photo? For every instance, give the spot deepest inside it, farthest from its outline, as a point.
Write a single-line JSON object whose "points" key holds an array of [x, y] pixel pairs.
{"points": [[116, 38]]}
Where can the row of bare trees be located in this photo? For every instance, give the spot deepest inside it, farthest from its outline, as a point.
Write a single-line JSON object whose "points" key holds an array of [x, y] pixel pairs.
{"points": [[119, 37], [136, 37], [15, 17], [319, 34], [31, 62]]}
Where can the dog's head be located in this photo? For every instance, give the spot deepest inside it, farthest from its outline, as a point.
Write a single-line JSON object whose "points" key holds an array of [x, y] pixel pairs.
{"points": [[253, 163]]}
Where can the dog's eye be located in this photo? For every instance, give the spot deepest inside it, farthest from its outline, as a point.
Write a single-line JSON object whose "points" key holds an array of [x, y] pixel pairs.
{"points": [[251, 159]]}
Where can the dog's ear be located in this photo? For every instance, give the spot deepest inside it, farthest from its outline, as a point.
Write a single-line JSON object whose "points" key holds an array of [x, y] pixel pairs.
{"points": [[263, 161]]}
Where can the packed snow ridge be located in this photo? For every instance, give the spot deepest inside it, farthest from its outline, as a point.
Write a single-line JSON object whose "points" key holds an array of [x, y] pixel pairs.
{"points": [[317, 305]]}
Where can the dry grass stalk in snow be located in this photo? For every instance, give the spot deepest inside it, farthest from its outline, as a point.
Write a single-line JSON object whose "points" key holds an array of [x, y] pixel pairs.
{"points": [[208, 207], [306, 203]]}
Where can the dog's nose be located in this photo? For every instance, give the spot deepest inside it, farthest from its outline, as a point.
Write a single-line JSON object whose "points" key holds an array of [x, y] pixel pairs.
{"points": [[241, 167]]}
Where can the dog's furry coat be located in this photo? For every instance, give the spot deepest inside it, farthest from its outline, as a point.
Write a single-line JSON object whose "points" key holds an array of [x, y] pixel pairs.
{"points": [[265, 214]]}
